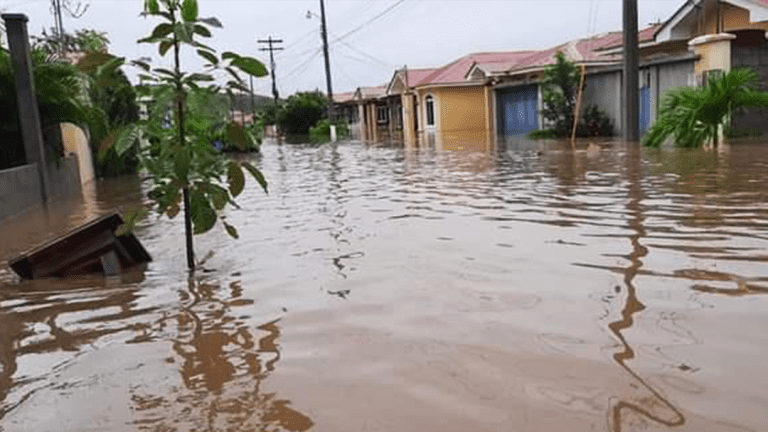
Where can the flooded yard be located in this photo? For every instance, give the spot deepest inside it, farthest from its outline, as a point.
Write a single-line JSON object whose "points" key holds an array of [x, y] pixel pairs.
{"points": [[456, 286]]}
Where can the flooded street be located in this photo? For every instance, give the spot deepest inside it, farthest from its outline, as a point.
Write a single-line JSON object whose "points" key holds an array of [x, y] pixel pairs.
{"points": [[450, 287]]}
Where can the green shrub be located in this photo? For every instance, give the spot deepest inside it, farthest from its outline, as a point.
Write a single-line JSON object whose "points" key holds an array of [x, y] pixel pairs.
{"points": [[301, 111], [595, 122], [321, 132], [543, 134]]}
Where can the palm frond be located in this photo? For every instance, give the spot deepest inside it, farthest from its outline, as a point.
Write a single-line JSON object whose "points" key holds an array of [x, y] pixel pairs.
{"points": [[691, 115]]}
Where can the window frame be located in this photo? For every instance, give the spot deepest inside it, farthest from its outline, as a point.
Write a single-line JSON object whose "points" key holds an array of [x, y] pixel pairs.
{"points": [[429, 111], [382, 118]]}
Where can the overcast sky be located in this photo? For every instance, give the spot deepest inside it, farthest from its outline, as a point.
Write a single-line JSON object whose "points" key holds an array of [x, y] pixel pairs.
{"points": [[412, 32]]}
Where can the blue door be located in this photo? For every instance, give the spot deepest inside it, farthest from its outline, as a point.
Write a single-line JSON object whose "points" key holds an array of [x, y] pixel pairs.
{"points": [[518, 109], [645, 108]]}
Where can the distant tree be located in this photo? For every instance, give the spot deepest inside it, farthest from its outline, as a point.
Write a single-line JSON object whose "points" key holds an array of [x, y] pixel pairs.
{"points": [[691, 116], [301, 111], [559, 87], [83, 40], [268, 113]]}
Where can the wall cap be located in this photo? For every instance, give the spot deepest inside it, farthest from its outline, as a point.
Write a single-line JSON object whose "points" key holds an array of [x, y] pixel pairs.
{"points": [[711, 38], [15, 17]]}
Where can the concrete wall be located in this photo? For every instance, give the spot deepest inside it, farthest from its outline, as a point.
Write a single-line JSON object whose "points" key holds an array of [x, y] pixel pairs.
{"points": [[604, 90], [20, 186], [756, 57], [668, 76], [75, 141], [19, 190]]}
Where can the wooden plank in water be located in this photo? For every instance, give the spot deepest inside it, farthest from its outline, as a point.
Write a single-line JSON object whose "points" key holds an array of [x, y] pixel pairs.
{"points": [[90, 248]]}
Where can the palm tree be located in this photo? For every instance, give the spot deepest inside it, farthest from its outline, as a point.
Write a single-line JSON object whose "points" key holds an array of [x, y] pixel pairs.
{"points": [[693, 115]]}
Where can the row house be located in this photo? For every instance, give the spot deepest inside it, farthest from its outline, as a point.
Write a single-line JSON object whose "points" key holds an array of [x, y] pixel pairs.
{"points": [[482, 96]]}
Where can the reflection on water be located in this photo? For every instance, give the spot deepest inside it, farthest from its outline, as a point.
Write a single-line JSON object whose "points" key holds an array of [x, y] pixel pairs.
{"points": [[222, 366], [457, 282], [61, 317], [658, 408]]}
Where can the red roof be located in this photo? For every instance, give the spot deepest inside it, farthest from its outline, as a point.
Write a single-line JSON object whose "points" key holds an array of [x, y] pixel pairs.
{"points": [[416, 76], [456, 72], [372, 92], [343, 97], [583, 50]]}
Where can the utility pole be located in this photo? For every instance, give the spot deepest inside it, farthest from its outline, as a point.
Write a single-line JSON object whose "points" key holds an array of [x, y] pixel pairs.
{"points": [[58, 23], [253, 103], [271, 49], [327, 63], [631, 103]]}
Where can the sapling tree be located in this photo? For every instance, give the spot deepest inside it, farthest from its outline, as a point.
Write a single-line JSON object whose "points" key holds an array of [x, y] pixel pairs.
{"points": [[187, 172]]}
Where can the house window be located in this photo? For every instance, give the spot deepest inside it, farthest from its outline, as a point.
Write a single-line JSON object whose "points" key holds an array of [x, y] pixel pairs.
{"points": [[383, 114], [430, 103]]}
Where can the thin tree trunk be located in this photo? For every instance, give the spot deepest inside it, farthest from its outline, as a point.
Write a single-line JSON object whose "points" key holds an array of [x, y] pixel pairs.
{"points": [[182, 142]]}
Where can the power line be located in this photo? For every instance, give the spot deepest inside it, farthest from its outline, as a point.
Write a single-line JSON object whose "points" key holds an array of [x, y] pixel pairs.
{"points": [[361, 26], [300, 39], [304, 63], [345, 74], [363, 53]]}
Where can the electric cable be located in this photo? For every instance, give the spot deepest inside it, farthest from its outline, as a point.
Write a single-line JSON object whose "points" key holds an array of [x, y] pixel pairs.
{"points": [[379, 15]]}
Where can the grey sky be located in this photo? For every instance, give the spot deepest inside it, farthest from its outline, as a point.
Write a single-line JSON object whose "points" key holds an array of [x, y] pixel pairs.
{"points": [[414, 32]]}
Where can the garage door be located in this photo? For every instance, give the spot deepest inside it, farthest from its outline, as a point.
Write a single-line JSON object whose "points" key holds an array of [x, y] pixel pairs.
{"points": [[518, 109]]}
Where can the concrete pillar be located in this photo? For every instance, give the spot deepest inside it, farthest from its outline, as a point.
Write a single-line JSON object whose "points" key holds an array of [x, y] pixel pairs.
{"points": [[374, 121], [408, 113], [29, 115], [391, 118], [369, 122], [361, 121], [713, 52]]}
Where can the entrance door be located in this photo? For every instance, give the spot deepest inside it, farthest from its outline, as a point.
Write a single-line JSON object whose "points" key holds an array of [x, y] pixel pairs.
{"points": [[518, 109]]}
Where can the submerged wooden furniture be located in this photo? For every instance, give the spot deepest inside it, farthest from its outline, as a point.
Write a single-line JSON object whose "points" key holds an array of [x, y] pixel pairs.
{"points": [[91, 248]]}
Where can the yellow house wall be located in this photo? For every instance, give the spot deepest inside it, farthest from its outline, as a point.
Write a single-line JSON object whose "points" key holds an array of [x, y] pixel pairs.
{"points": [[462, 109], [733, 18], [713, 55]]}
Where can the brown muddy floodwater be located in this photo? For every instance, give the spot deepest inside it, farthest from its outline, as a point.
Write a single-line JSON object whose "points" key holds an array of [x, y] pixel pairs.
{"points": [[453, 287]]}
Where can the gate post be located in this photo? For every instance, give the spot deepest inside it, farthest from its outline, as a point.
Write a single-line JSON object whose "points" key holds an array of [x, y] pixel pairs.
{"points": [[29, 115]]}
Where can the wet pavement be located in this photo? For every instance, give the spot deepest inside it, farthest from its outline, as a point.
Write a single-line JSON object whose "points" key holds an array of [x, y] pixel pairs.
{"points": [[457, 285]]}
